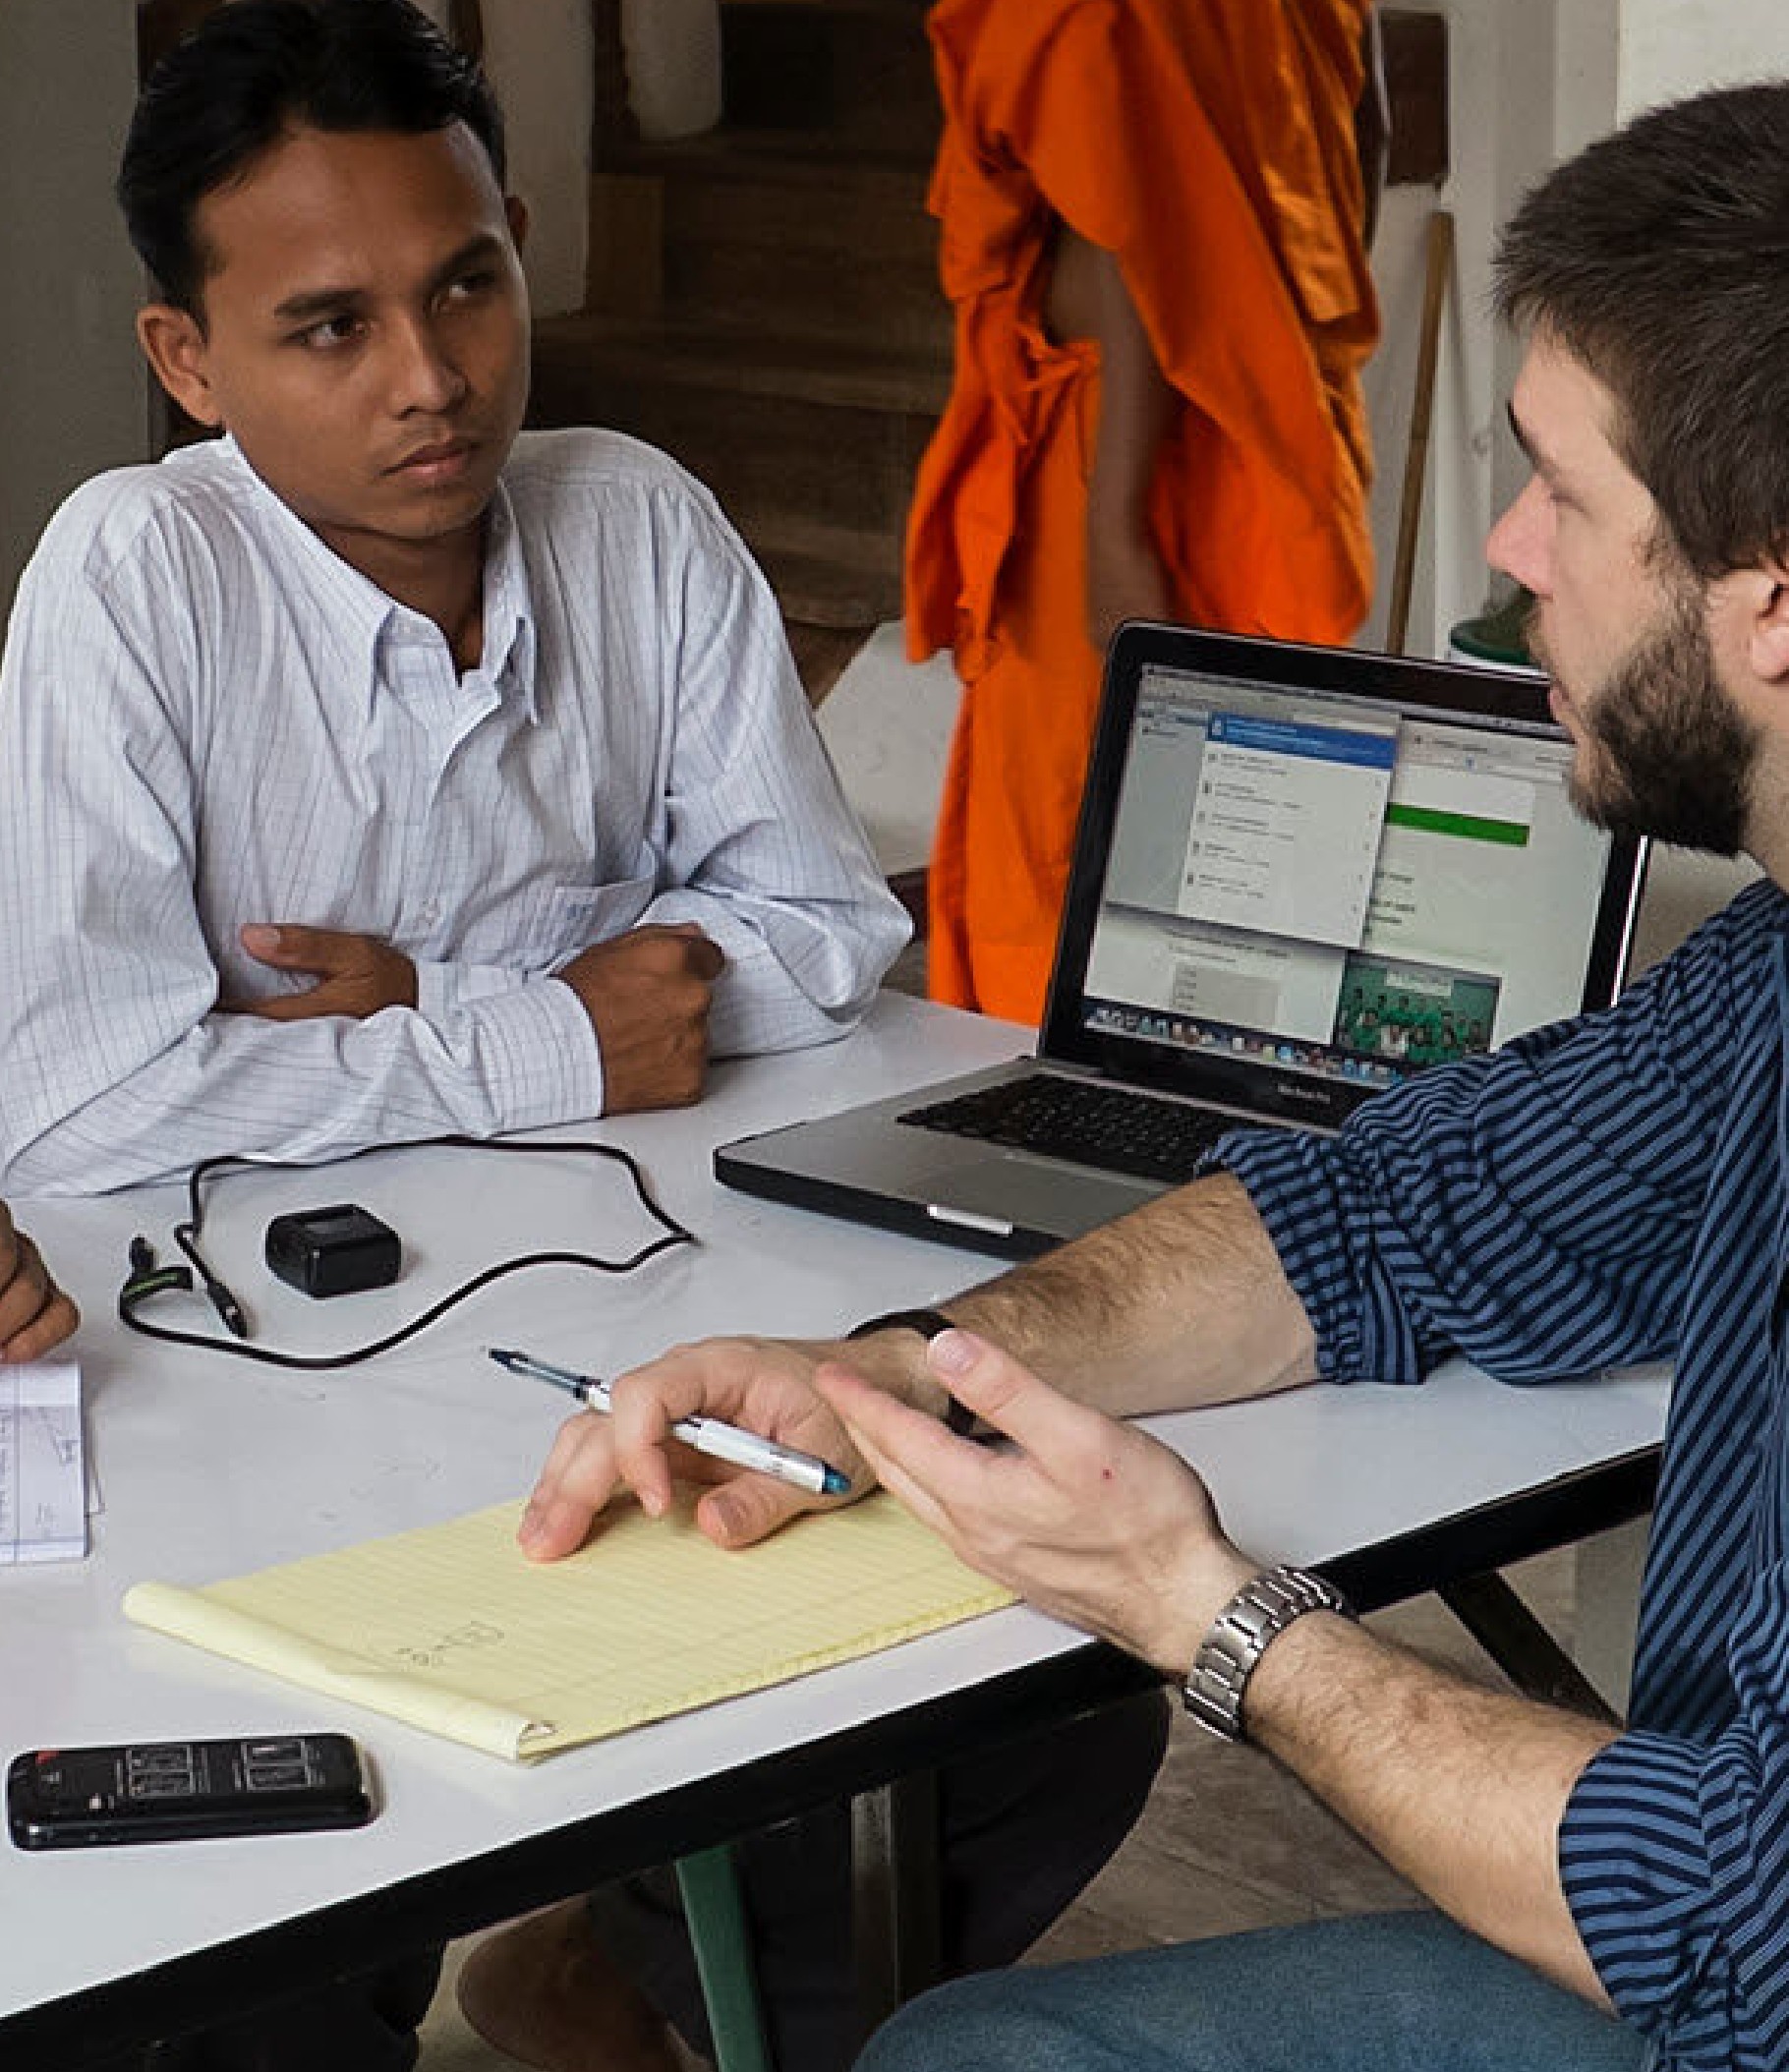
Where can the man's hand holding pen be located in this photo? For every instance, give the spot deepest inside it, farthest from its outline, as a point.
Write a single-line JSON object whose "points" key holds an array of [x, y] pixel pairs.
{"points": [[763, 1385], [1086, 1517]]}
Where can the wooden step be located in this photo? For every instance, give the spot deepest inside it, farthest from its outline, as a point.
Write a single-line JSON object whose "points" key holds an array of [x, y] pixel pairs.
{"points": [[682, 354], [816, 296], [791, 242], [764, 300], [828, 575], [823, 654], [818, 195], [774, 151], [853, 581], [838, 447], [762, 454]]}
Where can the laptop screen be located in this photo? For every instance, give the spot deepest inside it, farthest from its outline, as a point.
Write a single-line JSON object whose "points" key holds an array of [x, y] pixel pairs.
{"points": [[1338, 866]]}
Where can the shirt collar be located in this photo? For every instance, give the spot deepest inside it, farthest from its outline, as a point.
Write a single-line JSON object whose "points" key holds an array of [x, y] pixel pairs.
{"points": [[362, 617], [510, 643]]}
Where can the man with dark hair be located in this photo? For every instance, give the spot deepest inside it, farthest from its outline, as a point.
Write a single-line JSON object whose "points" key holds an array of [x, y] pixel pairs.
{"points": [[260, 72], [1603, 1191], [373, 773]]}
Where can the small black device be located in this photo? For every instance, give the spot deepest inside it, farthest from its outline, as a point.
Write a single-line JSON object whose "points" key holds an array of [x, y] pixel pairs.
{"points": [[170, 1791], [337, 1251]]}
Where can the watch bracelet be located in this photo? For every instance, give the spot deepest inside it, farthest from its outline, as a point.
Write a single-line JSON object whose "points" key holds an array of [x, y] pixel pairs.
{"points": [[1241, 1634], [929, 1323]]}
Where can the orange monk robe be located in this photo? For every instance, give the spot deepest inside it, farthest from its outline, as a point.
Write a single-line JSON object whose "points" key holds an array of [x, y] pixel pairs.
{"points": [[1209, 145]]}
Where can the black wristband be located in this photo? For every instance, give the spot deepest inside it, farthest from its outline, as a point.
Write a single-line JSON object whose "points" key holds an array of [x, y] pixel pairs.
{"points": [[959, 1418]]}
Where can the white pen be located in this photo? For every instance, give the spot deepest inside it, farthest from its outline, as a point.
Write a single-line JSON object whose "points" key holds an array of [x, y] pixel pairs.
{"points": [[705, 1435]]}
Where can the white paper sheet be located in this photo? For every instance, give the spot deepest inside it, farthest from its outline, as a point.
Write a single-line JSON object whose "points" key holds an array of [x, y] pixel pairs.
{"points": [[43, 1487]]}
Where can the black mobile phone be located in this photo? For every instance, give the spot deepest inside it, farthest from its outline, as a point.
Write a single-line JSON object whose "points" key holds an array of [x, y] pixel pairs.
{"points": [[170, 1791]]}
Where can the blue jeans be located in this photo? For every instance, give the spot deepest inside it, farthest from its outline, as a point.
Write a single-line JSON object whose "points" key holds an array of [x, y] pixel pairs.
{"points": [[1395, 1992]]}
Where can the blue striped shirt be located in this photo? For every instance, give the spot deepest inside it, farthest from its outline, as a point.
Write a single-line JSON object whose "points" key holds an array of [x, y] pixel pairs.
{"points": [[1606, 1190]]}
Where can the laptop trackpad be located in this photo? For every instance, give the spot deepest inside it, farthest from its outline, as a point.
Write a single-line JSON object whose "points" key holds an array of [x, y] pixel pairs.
{"points": [[1032, 1193]]}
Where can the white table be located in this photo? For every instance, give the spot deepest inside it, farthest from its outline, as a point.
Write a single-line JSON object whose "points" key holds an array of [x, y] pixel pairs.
{"points": [[209, 1466]]}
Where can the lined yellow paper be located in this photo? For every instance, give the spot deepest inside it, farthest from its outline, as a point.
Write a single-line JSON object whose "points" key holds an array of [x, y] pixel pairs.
{"points": [[450, 1629]]}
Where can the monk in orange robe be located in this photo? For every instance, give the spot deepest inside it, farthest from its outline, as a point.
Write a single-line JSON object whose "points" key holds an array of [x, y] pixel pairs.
{"points": [[1152, 233]]}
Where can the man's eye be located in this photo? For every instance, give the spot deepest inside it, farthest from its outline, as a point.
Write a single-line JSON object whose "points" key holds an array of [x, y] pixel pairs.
{"points": [[468, 286], [330, 334]]}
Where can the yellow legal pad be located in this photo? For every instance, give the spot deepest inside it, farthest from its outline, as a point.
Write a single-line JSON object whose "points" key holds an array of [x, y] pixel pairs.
{"points": [[450, 1629]]}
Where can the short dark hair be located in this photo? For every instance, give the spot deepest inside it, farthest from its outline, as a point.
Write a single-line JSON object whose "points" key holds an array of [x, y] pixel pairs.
{"points": [[1659, 259], [255, 68]]}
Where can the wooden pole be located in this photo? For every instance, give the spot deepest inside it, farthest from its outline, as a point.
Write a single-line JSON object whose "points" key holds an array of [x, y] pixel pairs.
{"points": [[1422, 411], [466, 28]]}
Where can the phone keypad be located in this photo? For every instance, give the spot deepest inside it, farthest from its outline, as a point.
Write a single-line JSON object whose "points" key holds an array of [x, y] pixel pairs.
{"points": [[278, 1776], [179, 1770], [176, 1757], [162, 1770], [290, 1749]]}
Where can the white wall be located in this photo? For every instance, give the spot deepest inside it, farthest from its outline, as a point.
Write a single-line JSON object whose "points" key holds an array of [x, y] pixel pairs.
{"points": [[1531, 81], [541, 58], [1673, 48], [73, 395]]}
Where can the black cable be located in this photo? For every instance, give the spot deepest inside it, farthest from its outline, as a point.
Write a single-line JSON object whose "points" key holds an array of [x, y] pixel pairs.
{"points": [[147, 1280]]}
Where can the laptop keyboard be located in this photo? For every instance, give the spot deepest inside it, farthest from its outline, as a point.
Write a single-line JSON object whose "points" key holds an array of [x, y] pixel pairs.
{"points": [[1111, 1128]]}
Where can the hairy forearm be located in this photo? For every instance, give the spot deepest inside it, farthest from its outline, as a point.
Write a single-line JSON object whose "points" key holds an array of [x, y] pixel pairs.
{"points": [[1460, 1789], [1180, 1303]]}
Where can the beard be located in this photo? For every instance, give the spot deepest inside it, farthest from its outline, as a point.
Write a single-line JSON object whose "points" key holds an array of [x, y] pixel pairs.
{"points": [[1666, 753]]}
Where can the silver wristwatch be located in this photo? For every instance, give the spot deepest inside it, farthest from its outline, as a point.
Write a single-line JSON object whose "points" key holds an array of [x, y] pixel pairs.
{"points": [[1240, 1635]]}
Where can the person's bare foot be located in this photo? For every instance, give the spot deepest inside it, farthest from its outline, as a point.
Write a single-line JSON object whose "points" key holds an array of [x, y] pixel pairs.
{"points": [[542, 1991]]}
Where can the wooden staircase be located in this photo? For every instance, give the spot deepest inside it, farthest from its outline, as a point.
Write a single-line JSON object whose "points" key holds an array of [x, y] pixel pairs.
{"points": [[763, 301]]}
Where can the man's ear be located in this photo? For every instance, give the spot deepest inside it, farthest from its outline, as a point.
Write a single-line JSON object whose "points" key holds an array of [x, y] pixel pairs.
{"points": [[173, 342], [516, 209], [1769, 627]]}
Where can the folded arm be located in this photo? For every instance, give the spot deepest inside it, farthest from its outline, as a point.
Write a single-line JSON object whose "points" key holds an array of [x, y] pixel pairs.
{"points": [[759, 847], [120, 1067]]}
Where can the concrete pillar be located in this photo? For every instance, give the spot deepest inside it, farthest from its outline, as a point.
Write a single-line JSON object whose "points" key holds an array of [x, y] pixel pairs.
{"points": [[74, 395]]}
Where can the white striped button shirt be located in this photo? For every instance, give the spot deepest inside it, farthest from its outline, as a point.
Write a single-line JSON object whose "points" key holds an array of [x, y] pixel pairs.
{"points": [[208, 718]]}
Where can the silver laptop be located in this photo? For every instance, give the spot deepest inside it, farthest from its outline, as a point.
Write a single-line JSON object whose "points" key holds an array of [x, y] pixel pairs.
{"points": [[1301, 875]]}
